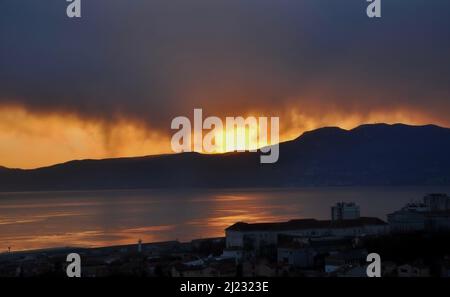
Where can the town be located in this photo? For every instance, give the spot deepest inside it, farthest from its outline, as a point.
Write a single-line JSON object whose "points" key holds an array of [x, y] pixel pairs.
{"points": [[337, 247]]}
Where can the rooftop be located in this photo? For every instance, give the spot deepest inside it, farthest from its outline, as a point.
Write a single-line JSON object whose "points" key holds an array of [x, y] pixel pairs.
{"points": [[305, 224]]}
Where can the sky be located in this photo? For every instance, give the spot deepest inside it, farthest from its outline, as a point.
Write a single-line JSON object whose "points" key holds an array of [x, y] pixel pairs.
{"points": [[110, 83]]}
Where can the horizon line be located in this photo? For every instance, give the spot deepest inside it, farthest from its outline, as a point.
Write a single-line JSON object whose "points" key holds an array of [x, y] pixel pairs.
{"points": [[228, 152]]}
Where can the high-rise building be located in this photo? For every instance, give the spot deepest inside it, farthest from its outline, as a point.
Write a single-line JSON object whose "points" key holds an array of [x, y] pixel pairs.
{"points": [[437, 202], [345, 211]]}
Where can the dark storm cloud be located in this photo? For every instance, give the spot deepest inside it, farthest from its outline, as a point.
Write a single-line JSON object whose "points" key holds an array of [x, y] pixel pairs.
{"points": [[152, 60]]}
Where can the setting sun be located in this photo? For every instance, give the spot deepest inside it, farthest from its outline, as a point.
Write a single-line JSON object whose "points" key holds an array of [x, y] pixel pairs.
{"points": [[248, 134]]}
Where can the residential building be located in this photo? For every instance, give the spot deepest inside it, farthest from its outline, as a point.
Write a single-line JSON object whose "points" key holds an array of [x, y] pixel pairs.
{"points": [[345, 211], [301, 252], [254, 236], [433, 214], [437, 202]]}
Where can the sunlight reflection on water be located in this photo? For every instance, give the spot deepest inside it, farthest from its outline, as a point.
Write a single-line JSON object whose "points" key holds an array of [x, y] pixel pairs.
{"points": [[100, 218]]}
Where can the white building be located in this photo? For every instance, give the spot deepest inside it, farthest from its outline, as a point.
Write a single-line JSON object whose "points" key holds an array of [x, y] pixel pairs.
{"points": [[433, 214], [404, 221], [253, 236], [345, 211]]}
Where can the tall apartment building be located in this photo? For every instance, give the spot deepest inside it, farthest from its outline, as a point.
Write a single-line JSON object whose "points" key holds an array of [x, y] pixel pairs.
{"points": [[345, 211]]}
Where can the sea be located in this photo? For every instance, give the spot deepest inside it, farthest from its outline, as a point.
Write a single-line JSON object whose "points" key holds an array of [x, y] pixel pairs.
{"points": [[40, 220]]}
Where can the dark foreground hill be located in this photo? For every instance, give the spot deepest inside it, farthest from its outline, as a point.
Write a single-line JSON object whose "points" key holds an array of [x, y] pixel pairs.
{"points": [[376, 154]]}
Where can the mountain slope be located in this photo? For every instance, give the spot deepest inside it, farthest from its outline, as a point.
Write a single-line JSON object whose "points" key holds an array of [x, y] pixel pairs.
{"points": [[377, 154]]}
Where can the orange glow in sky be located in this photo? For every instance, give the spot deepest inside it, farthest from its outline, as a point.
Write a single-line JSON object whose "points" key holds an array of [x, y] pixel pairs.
{"points": [[251, 139], [30, 140]]}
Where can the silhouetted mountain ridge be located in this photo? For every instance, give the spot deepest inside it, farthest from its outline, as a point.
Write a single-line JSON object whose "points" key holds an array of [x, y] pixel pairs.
{"points": [[377, 154]]}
